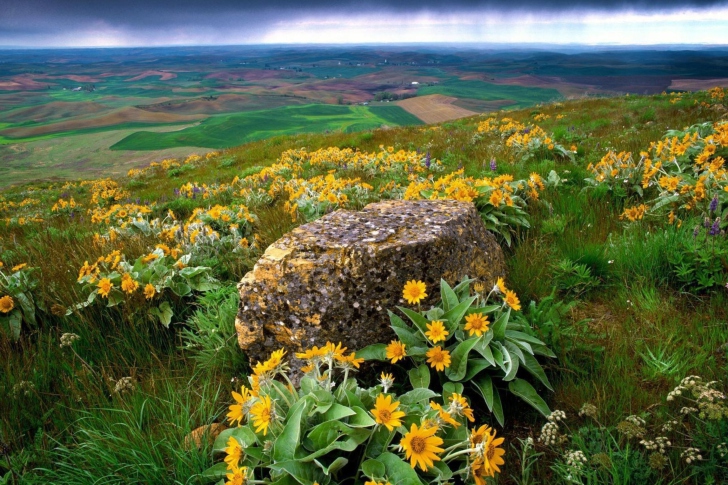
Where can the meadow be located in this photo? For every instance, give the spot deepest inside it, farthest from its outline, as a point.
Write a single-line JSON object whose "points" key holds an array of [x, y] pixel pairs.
{"points": [[119, 297]]}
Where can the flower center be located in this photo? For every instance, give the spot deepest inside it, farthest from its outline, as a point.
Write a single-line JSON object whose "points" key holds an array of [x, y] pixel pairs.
{"points": [[490, 451], [385, 415], [418, 444]]}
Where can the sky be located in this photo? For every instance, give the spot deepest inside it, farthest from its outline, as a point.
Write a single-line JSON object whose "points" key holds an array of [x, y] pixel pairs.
{"points": [[102, 23]]}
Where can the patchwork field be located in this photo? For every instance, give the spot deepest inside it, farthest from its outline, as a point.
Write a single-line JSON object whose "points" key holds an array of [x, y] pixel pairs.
{"points": [[217, 97], [434, 108]]}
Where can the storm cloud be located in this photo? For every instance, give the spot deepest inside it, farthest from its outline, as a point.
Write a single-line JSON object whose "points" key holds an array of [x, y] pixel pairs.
{"points": [[163, 22]]}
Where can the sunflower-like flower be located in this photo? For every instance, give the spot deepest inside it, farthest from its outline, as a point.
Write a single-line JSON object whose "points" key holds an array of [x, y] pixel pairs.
{"points": [[387, 381], [460, 407], [262, 413], [421, 446], [396, 351], [436, 331], [128, 284], [149, 291], [489, 455], [512, 300], [105, 286], [414, 291], [237, 411], [6, 304], [438, 358], [238, 476], [234, 453], [385, 412], [444, 416], [349, 361], [476, 324]]}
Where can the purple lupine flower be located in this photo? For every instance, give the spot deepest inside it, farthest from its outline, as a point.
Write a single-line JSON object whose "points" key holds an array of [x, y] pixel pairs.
{"points": [[706, 222], [493, 166], [428, 159], [695, 231], [714, 204], [526, 131], [715, 228], [176, 192]]}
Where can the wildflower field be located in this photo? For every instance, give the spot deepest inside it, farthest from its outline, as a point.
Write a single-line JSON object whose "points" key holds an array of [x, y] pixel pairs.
{"points": [[600, 358]]}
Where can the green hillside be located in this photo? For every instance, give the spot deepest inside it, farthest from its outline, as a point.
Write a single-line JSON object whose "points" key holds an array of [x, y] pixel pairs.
{"points": [[599, 358]]}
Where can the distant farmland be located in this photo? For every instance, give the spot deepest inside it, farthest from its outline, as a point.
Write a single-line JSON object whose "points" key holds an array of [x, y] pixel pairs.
{"points": [[225, 131], [434, 108]]}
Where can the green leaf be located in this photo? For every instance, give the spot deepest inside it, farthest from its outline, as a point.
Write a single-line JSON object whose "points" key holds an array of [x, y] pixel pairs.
{"points": [[335, 465], [337, 412], [215, 472], [361, 419], [419, 320], [534, 368], [373, 352], [511, 364], [442, 470], [164, 313], [448, 296], [459, 360], [416, 395], [373, 469], [245, 436], [180, 288], [305, 473], [484, 349], [456, 314], [474, 367], [484, 385], [285, 445], [399, 471], [525, 391], [463, 288], [512, 334], [499, 327], [420, 376], [377, 443], [26, 303], [450, 388], [12, 324]]}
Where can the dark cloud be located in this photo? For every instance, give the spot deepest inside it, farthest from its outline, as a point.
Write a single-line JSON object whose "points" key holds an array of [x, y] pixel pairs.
{"points": [[20, 18]]}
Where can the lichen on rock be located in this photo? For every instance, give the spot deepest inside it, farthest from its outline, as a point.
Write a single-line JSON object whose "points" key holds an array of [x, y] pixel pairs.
{"points": [[335, 278]]}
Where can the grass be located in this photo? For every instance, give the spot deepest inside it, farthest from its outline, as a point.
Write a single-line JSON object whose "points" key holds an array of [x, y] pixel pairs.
{"points": [[230, 130], [519, 95], [623, 342]]}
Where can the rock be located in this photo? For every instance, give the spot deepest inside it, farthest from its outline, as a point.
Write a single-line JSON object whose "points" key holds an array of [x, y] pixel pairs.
{"points": [[335, 278], [194, 439]]}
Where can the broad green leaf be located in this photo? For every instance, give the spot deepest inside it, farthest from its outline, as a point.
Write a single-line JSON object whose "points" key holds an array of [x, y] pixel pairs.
{"points": [[459, 360], [442, 470], [324, 434], [377, 443], [361, 419], [463, 288], [450, 388], [535, 369], [215, 472], [525, 391], [511, 364], [12, 324], [419, 320], [399, 472], [420, 376], [349, 442], [474, 367], [512, 334], [304, 473], [337, 412], [335, 465], [180, 288], [285, 445], [373, 469], [416, 395], [498, 408], [499, 327], [456, 313], [448, 296], [373, 352], [513, 349], [484, 349], [484, 384], [164, 313], [26, 303]]}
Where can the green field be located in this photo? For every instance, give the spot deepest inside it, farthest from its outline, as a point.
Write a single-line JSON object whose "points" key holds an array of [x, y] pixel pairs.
{"points": [[521, 96], [225, 131]]}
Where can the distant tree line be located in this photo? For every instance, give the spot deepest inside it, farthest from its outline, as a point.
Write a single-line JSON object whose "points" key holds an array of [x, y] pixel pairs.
{"points": [[388, 96]]}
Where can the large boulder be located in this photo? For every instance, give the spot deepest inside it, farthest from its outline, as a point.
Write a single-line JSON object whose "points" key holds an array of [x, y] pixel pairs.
{"points": [[334, 279]]}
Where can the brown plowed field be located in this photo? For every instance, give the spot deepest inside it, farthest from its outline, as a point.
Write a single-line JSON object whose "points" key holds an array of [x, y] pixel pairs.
{"points": [[434, 108], [123, 115], [52, 111], [698, 84]]}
